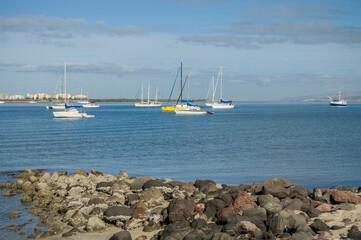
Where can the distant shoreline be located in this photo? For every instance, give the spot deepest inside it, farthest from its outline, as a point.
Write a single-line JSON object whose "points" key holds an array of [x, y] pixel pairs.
{"points": [[111, 100]]}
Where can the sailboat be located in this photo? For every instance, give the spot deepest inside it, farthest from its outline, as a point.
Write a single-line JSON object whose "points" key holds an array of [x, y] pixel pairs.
{"points": [[208, 102], [148, 103], [69, 111], [59, 106], [220, 104], [180, 103], [338, 102]]}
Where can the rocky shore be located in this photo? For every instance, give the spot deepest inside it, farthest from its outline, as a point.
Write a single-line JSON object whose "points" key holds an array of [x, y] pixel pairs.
{"points": [[98, 206]]}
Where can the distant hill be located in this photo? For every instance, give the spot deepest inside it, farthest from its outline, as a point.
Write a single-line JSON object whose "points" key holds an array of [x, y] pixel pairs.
{"points": [[350, 97]]}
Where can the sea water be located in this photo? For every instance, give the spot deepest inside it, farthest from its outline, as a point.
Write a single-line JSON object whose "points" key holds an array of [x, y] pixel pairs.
{"points": [[310, 144]]}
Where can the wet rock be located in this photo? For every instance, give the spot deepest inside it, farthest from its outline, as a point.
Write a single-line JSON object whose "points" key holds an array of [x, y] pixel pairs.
{"points": [[243, 201], [9, 193], [180, 210], [14, 214], [319, 226]]}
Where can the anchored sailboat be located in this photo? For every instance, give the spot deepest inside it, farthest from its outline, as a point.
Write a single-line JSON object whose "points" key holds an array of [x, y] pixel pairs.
{"points": [[69, 111], [148, 103], [180, 103], [220, 104]]}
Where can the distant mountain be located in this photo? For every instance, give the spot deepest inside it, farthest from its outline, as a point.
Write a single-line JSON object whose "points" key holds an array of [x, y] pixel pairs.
{"points": [[350, 97]]}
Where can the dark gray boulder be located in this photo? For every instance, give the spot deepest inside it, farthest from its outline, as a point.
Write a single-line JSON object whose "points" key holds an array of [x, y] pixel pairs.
{"points": [[123, 235], [319, 226]]}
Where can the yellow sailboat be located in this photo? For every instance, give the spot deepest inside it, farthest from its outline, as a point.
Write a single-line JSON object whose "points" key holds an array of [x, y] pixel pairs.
{"points": [[181, 104]]}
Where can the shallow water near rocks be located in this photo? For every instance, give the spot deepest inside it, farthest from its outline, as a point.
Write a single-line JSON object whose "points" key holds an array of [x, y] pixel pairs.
{"points": [[310, 144]]}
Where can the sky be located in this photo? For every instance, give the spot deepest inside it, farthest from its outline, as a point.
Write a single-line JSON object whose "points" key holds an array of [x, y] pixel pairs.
{"points": [[268, 49]]}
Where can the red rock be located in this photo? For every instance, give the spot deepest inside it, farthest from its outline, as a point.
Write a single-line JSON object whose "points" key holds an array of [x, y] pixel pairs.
{"points": [[180, 210], [139, 213], [199, 207], [324, 207], [343, 196], [226, 212], [324, 235], [243, 201]]}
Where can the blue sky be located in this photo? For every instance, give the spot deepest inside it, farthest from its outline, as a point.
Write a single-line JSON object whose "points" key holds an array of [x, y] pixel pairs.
{"points": [[269, 49]]}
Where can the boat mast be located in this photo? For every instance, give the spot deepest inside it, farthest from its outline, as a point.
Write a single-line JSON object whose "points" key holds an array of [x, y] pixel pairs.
{"points": [[64, 81], [156, 94], [220, 89], [339, 95], [181, 85], [141, 96], [148, 92]]}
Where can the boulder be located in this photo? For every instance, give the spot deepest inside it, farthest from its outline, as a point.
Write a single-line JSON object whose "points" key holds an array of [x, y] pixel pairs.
{"points": [[96, 173], [123, 235], [151, 197], [255, 214], [14, 214], [299, 192], [212, 207], [195, 235], [354, 233], [118, 213], [275, 183], [158, 184], [180, 210], [245, 227], [82, 173], [226, 212], [177, 230], [243, 201], [319, 226], [206, 186], [323, 207], [272, 207], [344, 196], [95, 224], [222, 236]]}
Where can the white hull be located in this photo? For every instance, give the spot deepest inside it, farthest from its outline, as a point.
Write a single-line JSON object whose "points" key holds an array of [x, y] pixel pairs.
{"points": [[91, 105], [1, 102], [147, 104], [60, 106], [69, 113], [189, 112], [222, 106]]}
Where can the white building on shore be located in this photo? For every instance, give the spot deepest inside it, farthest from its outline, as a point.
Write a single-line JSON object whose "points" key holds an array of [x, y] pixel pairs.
{"points": [[79, 96], [58, 96], [16, 97], [39, 96], [3, 96]]}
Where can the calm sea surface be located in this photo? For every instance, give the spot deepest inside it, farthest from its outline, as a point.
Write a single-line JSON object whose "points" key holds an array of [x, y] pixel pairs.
{"points": [[310, 144]]}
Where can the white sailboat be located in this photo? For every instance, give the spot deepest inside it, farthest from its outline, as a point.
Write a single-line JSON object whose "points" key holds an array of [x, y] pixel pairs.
{"points": [[58, 106], [69, 111], [338, 102], [220, 104], [148, 103], [208, 102]]}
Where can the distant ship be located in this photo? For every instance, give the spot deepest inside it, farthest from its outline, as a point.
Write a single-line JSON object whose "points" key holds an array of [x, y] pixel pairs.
{"points": [[338, 102]]}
